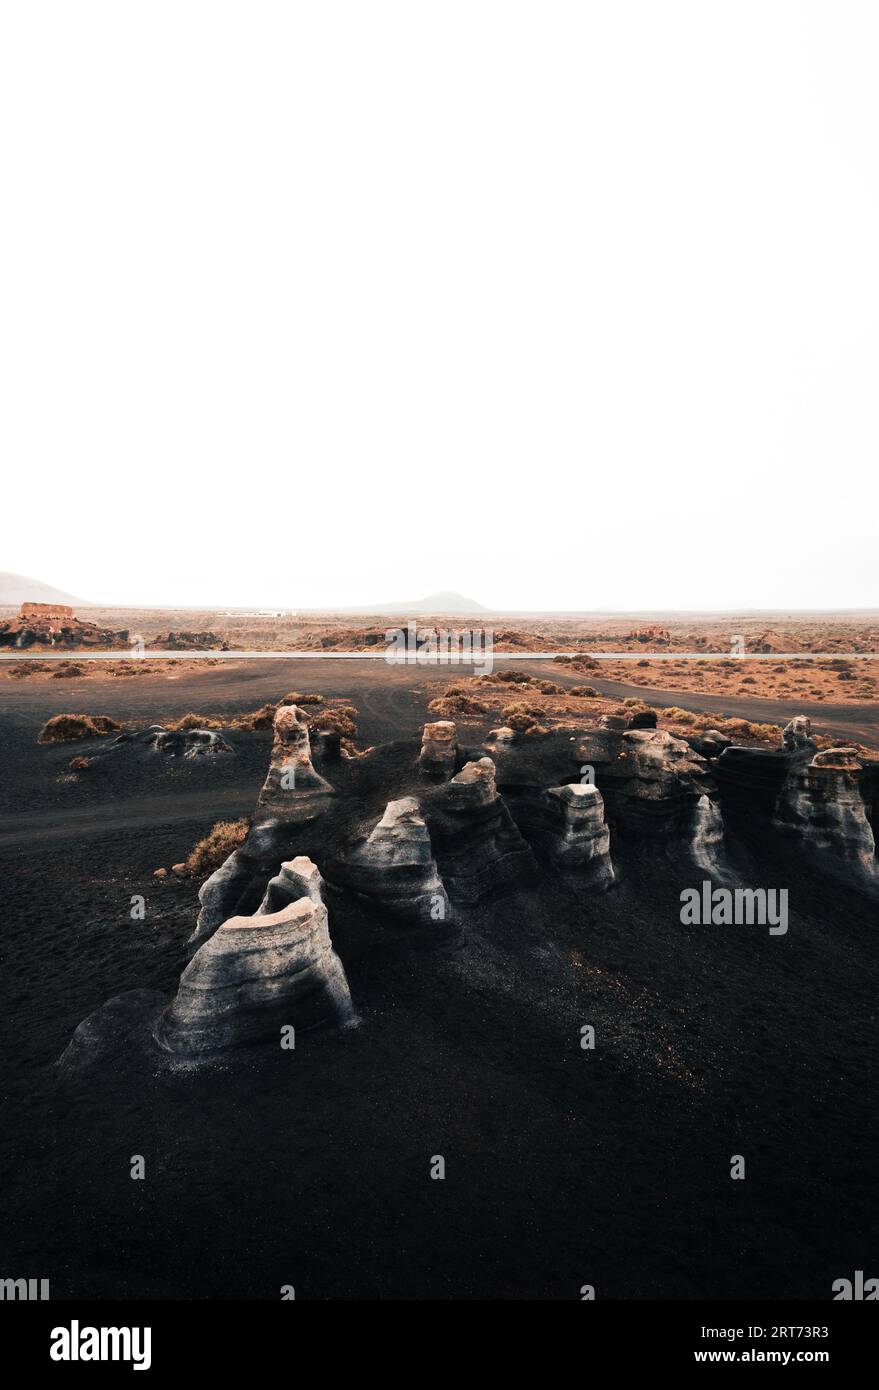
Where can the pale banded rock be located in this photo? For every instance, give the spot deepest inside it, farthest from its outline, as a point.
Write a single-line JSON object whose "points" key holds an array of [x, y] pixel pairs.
{"points": [[823, 802], [797, 735], [395, 867], [578, 836], [297, 878], [293, 793], [477, 843], [501, 739], [292, 796], [439, 747], [254, 976], [657, 785]]}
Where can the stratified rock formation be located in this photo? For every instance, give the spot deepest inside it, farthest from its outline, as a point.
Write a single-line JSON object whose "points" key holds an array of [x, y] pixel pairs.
{"points": [[709, 744], [823, 802], [751, 779], [643, 719], [576, 833], [656, 781], [395, 867], [797, 735], [257, 974], [293, 796], [439, 747], [477, 844], [293, 793], [599, 749]]}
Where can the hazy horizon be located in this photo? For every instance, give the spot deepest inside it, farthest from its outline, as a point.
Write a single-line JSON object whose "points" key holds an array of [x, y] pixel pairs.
{"points": [[570, 315]]}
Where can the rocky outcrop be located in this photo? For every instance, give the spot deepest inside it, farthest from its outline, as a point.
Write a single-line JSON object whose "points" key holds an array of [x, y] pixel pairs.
{"points": [[659, 786], [478, 846], [257, 974], [115, 1032], [394, 866], [751, 779], [293, 793], [600, 748], [186, 744], [439, 747], [293, 796], [652, 772], [55, 625], [797, 735], [576, 834], [643, 719], [710, 743], [298, 878], [823, 803]]}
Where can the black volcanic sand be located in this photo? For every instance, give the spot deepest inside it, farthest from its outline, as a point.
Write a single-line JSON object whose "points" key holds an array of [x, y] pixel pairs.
{"points": [[311, 1168]]}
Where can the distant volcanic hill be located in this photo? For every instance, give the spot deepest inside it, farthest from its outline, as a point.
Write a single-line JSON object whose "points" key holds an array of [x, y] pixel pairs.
{"points": [[16, 589], [447, 601]]}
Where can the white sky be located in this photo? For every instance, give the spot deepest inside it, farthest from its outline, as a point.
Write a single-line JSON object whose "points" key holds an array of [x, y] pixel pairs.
{"points": [[562, 305]]}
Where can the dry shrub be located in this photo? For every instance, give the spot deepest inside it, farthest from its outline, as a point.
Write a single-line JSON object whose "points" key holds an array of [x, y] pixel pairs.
{"points": [[584, 692], [550, 688], [677, 715], [65, 669], [79, 763], [457, 702], [64, 728], [261, 718], [29, 668], [194, 721], [523, 719], [339, 720], [295, 698], [216, 847]]}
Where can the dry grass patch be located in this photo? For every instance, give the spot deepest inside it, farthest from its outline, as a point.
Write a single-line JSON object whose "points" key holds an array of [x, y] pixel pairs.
{"points": [[216, 847], [193, 721], [64, 728]]}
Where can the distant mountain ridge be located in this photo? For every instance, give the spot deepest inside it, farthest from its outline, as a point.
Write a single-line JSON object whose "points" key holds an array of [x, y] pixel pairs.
{"points": [[16, 589], [446, 601]]}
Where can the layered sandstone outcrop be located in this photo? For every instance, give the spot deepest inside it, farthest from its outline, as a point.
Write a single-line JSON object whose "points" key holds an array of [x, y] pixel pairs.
{"points": [[822, 802], [477, 843], [654, 778], [751, 779], [439, 747], [293, 796], [658, 786], [576, 833], [643, 719], [186, 743], [395, 867], [259, 973]]}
